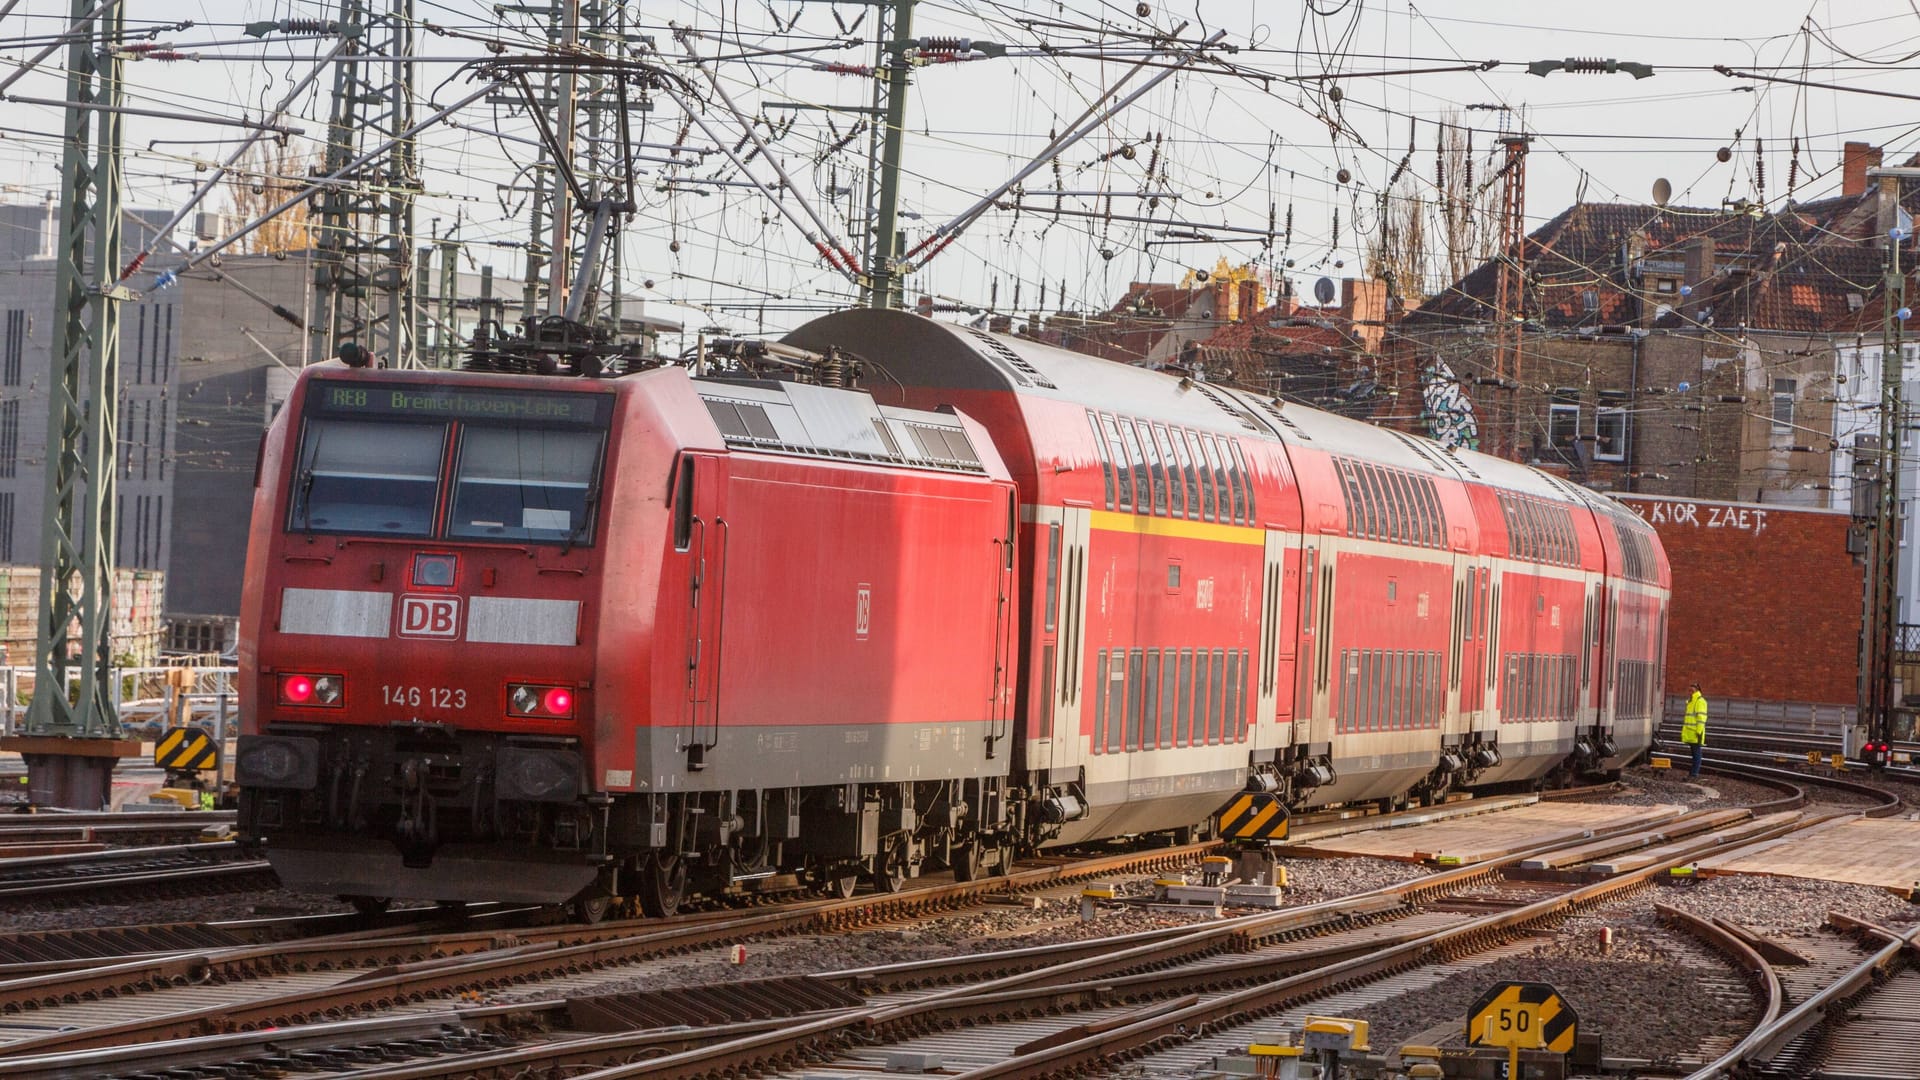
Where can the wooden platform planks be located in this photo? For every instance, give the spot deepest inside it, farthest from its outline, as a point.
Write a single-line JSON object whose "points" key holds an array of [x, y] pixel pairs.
{"points": [[1882, 852], [1488, 836]]}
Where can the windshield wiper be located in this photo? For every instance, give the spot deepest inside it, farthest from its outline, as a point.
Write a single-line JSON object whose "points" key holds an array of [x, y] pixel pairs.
{"points": [[588, 502], [306, 501]]}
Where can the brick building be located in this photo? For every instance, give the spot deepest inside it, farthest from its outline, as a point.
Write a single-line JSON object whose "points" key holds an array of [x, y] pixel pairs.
{"points": [[1670, 350], [1734, 626]]}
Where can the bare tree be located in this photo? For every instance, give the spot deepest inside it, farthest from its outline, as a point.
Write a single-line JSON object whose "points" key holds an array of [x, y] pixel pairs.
{"points": [[1463, 202], [263, 179], [1397, 252]]}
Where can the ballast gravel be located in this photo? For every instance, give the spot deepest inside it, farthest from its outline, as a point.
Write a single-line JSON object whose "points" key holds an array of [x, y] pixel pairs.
{"points": [[219, 907], [1646, 787], [1043, 921], [1784, 905]]}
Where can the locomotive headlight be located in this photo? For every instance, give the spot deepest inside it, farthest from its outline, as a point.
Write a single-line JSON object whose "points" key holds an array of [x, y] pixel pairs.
{"points": [[303, 689], [525, 700], [539, 702]]}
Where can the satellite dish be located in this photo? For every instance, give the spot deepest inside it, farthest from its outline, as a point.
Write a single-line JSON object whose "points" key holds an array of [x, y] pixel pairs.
{"points": [[1324, 291], [1662, 191]]}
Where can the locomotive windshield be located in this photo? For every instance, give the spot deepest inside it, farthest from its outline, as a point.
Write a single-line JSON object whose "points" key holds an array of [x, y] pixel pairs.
{"points": [[525, 466]]}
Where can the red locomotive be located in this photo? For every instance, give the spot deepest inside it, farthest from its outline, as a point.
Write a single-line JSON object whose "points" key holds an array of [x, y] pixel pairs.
{"points": [[544, 639]]}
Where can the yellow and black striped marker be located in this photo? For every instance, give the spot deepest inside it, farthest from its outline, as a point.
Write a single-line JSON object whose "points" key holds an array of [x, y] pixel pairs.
{"points": [[1522, 1015], [186, 748], [1254, 816]]}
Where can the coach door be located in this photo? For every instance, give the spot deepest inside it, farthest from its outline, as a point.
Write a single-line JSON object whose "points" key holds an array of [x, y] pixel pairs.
{"points": [[1063, 642], [700, 535], [1276, 647]]}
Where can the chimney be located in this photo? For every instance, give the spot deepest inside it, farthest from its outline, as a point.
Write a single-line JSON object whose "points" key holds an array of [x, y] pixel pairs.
{"points": [[1855, 160], [1698, 256]]}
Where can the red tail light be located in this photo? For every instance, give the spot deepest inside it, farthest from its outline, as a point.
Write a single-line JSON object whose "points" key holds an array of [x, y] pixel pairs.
{"points": [[539, 702], [326, 691]]}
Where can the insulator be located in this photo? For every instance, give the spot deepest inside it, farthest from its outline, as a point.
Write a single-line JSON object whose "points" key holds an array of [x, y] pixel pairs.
{"points": [[1336, 226], [845, 69], [1759, 169], [945, 45], [1288, 240], [1586, 65]]}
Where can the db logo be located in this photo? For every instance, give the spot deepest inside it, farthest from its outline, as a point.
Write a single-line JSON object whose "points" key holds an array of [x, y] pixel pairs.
{"points": [[862, 610], [429, 616]]}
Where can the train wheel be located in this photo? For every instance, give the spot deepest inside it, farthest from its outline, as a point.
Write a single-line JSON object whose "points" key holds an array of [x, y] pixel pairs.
{"points": [[663, 886], [839, 881], [1003, 865], [370, 905], [968, 861], [890, 866], [590, 909]]}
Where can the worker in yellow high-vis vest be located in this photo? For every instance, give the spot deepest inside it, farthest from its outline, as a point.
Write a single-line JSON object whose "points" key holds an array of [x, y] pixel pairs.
{"points": [[1693, 728]]}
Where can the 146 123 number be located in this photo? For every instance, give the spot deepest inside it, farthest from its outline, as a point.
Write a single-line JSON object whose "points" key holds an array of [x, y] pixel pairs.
{"points": [[432, 697]]}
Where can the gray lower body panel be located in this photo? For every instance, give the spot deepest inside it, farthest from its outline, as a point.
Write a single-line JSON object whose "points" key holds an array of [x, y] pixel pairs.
{"points": [[771, 756]]}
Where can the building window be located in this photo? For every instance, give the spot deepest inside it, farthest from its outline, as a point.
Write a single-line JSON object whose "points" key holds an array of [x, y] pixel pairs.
{"points": [[10, 438], [6, 526], [1563, 425], [1589, 300], [1783, 391], [1610, 435], [1666, 285], [13, 347]]}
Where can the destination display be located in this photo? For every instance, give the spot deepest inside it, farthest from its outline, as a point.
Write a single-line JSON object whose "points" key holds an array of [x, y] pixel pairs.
{"points": [[457, 403]]}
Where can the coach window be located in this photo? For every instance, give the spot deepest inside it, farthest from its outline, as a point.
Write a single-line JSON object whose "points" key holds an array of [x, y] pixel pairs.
{"points": [[1155, 467], [1206, 476], [1142, 482], [1116, 700], [1143, 697], [1246, 478], [1176, 500], [1398, 523], [1183, 727], [1169, 700], [1230, 476], [1100, 451], [1410, 526], [1053, 575], [1378, 527], [1216, 697], [1100, 702], [1230, 711], [1117, 450], [1180, 453]]}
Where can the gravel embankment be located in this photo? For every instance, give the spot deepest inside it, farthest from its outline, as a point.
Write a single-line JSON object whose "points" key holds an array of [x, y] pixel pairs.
{"points": [[1783, 905], [210, 908], [1052, 921], [1646, 787]]}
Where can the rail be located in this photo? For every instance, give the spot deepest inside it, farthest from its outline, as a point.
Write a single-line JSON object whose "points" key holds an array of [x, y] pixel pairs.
{"points": [[1776, 1032]]}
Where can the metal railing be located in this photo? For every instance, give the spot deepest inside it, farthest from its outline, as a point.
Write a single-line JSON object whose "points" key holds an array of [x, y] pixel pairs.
{"points": [[143, 698], [1788, 716]]}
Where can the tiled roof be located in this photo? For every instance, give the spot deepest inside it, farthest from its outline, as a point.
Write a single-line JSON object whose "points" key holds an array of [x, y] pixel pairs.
{"points": [[1810, 268]]}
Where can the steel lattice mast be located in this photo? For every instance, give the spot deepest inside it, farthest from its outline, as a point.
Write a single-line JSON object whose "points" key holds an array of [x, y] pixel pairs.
{"points": [[363, 226], [72, 739]]}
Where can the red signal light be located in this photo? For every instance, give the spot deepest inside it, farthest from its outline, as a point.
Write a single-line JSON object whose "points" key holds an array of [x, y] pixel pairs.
{"points": [[558, 701], [297, 689], [539, 702]]}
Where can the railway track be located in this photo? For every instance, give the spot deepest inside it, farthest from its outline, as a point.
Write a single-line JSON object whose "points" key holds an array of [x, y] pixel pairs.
{"points": [[179, 869], [761, 1025], [1850, 1007]]}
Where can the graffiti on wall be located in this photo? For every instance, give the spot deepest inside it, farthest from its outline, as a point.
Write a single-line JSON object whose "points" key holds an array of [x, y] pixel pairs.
{"points": [[1446, 409], [1703, 515]]}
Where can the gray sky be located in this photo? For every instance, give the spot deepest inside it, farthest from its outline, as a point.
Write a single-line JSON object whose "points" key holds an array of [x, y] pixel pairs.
{"points": [[1237, 145]]}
